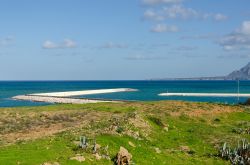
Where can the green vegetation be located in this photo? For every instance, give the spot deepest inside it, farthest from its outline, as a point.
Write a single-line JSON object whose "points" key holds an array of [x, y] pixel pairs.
{"points": [[165, 132]]}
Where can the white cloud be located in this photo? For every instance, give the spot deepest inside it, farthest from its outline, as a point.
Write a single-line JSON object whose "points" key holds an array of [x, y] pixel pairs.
{"points": [[245, 28], [178, 11], [160, 28], [173, 10], [238, 39], [49, 45], [220, 17], [170, 12], [111, 45], [154, 2], [142, 57], [152, 15], [67, 43]]}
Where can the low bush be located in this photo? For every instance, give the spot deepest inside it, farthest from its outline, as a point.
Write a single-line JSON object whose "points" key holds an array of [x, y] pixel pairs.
{"points": [[156, 121]]}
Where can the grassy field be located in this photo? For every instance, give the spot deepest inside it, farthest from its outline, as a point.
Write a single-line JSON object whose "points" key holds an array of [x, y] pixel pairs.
{"points": [[164, 132]]}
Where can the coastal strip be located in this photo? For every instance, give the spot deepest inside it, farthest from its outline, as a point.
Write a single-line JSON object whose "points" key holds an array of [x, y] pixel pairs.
{"points": [[85, 92], [206, 94], [61, 100]]}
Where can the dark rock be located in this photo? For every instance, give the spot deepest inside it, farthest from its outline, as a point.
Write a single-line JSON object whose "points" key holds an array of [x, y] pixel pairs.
{"points": [[123, 157]]}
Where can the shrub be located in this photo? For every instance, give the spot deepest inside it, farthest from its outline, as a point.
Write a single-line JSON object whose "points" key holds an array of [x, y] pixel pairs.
{"points": [[241, 130], [217, 120], [156, 121], [247, 102], [119, 129]]}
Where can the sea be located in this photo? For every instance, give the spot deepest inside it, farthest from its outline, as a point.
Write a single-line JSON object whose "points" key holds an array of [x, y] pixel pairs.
{"points": [[147, 90]]}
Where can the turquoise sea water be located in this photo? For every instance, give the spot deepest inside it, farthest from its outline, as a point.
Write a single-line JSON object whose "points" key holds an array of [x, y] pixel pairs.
{"points": [[148, 90]]}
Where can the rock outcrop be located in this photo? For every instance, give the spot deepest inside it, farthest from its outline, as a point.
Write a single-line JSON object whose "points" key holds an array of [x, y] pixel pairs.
{"points": [[123, 157]]}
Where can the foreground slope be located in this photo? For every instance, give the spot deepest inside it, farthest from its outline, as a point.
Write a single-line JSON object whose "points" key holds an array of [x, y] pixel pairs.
{"points": [[165, 132]]}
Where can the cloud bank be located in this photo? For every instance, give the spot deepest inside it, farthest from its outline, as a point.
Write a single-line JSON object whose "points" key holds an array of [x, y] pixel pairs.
{"points": [[111, 45], [238, 39], [154, 2], [179, 11], [160, 28], [66, 43]]}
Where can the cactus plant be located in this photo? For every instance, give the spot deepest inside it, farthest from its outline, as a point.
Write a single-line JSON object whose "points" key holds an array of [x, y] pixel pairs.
{"points": [[237, 156], [83, 142]]}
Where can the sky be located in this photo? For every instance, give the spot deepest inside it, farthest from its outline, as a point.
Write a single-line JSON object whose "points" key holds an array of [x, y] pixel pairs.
{"points": [[122, 39]]}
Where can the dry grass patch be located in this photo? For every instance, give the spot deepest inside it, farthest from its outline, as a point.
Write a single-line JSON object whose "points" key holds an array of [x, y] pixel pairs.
{"points": [[178, 108], [33, 126]]}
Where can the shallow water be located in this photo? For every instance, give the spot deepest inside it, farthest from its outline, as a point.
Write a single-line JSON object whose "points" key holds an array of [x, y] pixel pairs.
{"points": [[148, 90]]}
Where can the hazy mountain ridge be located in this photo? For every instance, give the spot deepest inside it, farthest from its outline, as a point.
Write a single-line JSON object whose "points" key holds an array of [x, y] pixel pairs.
{"points": [[241, 74]]}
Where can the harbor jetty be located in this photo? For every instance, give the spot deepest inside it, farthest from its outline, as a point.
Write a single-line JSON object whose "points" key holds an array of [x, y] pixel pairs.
{"points": [[84, 92], [65, 97], [62, 100], [207, 94]]}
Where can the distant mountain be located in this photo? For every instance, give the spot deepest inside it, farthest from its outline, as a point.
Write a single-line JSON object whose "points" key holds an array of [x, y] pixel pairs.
{"points": [[242, 74]]}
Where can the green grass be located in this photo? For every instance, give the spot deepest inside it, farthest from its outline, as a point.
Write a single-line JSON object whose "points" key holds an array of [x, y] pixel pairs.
{"points": [[202, 135]]}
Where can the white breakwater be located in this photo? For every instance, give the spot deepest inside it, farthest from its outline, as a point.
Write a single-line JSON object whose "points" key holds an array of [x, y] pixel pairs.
{"points": [[50, 99], [85, 92], [206, 94], [64, 97]]}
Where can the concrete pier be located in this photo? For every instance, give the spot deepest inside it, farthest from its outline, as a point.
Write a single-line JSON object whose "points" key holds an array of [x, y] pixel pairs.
{"points": [[207, 94], [49, 99], [64, 97], [85, 92]]}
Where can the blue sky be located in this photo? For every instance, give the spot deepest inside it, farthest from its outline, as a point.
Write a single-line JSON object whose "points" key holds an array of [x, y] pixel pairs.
{"points": [[122, 39]]}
